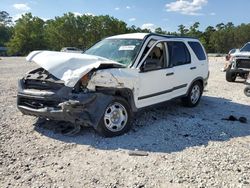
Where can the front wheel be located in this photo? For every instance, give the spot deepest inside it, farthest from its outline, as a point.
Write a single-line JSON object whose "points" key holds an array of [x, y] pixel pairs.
{"points": [[194, 95], [231, 76], [116, 119]]}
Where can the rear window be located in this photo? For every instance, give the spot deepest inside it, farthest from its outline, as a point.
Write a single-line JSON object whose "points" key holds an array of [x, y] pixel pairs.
{"points": [[198, 50]]}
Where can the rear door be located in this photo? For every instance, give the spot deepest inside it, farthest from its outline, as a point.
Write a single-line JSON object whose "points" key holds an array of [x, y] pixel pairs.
{"points": [[183, 66]]}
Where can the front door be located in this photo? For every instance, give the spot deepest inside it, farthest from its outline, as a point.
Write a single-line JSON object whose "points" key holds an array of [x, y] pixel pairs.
{"points": [[156, 80]]}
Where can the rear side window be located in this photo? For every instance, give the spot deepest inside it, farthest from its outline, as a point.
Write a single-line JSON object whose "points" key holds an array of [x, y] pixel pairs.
{"points": [[178, 53], [198, 50]]}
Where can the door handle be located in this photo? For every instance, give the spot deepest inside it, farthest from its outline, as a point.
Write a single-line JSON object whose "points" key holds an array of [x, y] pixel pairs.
{"points": [[169, 74], [192, 68]]}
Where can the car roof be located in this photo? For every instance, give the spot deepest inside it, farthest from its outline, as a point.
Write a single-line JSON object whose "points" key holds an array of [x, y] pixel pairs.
{"points": [[146, 35], [130, 36]]}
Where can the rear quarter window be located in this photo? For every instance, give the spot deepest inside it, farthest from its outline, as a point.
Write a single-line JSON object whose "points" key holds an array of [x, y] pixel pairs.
{"points": [[198, 50]]}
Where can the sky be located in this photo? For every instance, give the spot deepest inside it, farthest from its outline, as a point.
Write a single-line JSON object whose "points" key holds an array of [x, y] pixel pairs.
{"points": [[167, 14]]}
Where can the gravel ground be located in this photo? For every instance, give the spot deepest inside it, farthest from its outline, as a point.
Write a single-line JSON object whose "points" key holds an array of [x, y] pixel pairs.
{"points": [[185, 147]]}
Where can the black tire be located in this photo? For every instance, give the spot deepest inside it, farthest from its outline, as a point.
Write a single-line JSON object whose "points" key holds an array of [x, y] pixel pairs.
{"points": [[247, 91], [123, 109], [231, 75], [189, 101]]}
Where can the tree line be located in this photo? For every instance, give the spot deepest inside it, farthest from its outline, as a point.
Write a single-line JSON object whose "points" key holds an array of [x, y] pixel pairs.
{"points": [[33, 33]]}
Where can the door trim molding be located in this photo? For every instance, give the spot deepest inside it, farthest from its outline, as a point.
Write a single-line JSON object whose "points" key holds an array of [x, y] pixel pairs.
{"points": [[162, 92]]}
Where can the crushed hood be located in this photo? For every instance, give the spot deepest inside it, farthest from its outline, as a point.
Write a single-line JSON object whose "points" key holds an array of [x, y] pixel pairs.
{"points": [[69, 67]]}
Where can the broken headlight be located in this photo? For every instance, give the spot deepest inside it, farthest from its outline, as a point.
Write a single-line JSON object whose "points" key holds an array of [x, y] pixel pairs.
{"points": [[85, 80]]}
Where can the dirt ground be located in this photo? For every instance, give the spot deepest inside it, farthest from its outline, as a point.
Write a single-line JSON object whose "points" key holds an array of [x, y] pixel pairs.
{"points": [[185, 147]]}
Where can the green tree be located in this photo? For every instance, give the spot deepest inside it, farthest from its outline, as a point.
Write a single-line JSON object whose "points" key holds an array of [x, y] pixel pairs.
{"points": [[182, 29], [241, 35], [229, 25], [5, 18], [193, 30], [134, 29], [160, 31], [206, 38], [81, 31], [28, 35], [220, 26], [5, 27], [32, 33]]}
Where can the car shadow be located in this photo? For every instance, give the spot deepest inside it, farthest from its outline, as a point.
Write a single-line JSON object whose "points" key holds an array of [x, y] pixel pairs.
{"points": [[167, 128], [240, 81]]}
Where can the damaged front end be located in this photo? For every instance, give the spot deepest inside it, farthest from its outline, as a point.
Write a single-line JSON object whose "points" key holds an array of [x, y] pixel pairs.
{"points": [[43, 95]]}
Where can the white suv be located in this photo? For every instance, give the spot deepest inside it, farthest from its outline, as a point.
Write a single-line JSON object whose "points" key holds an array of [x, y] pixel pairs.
{"points": [[104, 86]]}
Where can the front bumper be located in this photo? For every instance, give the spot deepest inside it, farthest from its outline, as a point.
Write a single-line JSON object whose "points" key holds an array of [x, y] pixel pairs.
{"points": [[71, 111], [63, 105], [241, 65], [47, 112]]}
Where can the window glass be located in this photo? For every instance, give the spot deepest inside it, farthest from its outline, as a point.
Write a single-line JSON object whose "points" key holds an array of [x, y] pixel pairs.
{"points": [[156, 58], [178, 53], [123, 51], [157, 55], [245, 48], [149, 45], [197, 48]]}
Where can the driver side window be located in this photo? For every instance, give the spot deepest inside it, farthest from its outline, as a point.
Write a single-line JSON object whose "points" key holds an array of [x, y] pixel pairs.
{"points": [[156, 58]]}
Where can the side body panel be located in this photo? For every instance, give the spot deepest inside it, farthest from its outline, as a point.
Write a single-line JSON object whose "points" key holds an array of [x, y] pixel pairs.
{"points": [[152, 87]]}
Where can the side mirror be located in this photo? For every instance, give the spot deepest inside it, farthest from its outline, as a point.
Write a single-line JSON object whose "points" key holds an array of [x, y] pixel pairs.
{"points": [[149, 65]]}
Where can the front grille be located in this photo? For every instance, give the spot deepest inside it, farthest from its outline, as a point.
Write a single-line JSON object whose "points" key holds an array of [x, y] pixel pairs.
{"points": [[243, 63], [42, 80], [42, 85], [37, 103]]}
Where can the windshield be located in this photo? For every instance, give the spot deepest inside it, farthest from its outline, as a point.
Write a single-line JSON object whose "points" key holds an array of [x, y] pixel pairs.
{"points": [[123, 51], [246, 48]]}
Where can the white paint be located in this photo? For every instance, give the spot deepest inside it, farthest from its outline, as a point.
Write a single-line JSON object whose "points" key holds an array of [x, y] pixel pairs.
{"points": [[114, 78]]}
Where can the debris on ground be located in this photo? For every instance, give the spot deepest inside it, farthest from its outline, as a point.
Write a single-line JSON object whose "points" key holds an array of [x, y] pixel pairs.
{"points": [[233, 118], [137, 153]]}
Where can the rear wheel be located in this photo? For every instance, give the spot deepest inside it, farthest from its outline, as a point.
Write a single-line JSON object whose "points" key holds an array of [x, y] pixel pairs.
{"points": [[194, 95], [116, 119]]}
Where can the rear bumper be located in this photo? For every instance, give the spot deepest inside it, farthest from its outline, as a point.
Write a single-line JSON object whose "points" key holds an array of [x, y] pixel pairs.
{"points": [[205, 80]]}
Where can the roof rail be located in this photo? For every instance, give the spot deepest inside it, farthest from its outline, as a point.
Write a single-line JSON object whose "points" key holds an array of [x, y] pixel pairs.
{"points": [[170, 36]]}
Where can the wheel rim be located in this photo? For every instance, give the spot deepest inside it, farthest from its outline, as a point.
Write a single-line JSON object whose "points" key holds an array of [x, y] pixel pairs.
{"points": [[115, 117], [195, 94]]}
